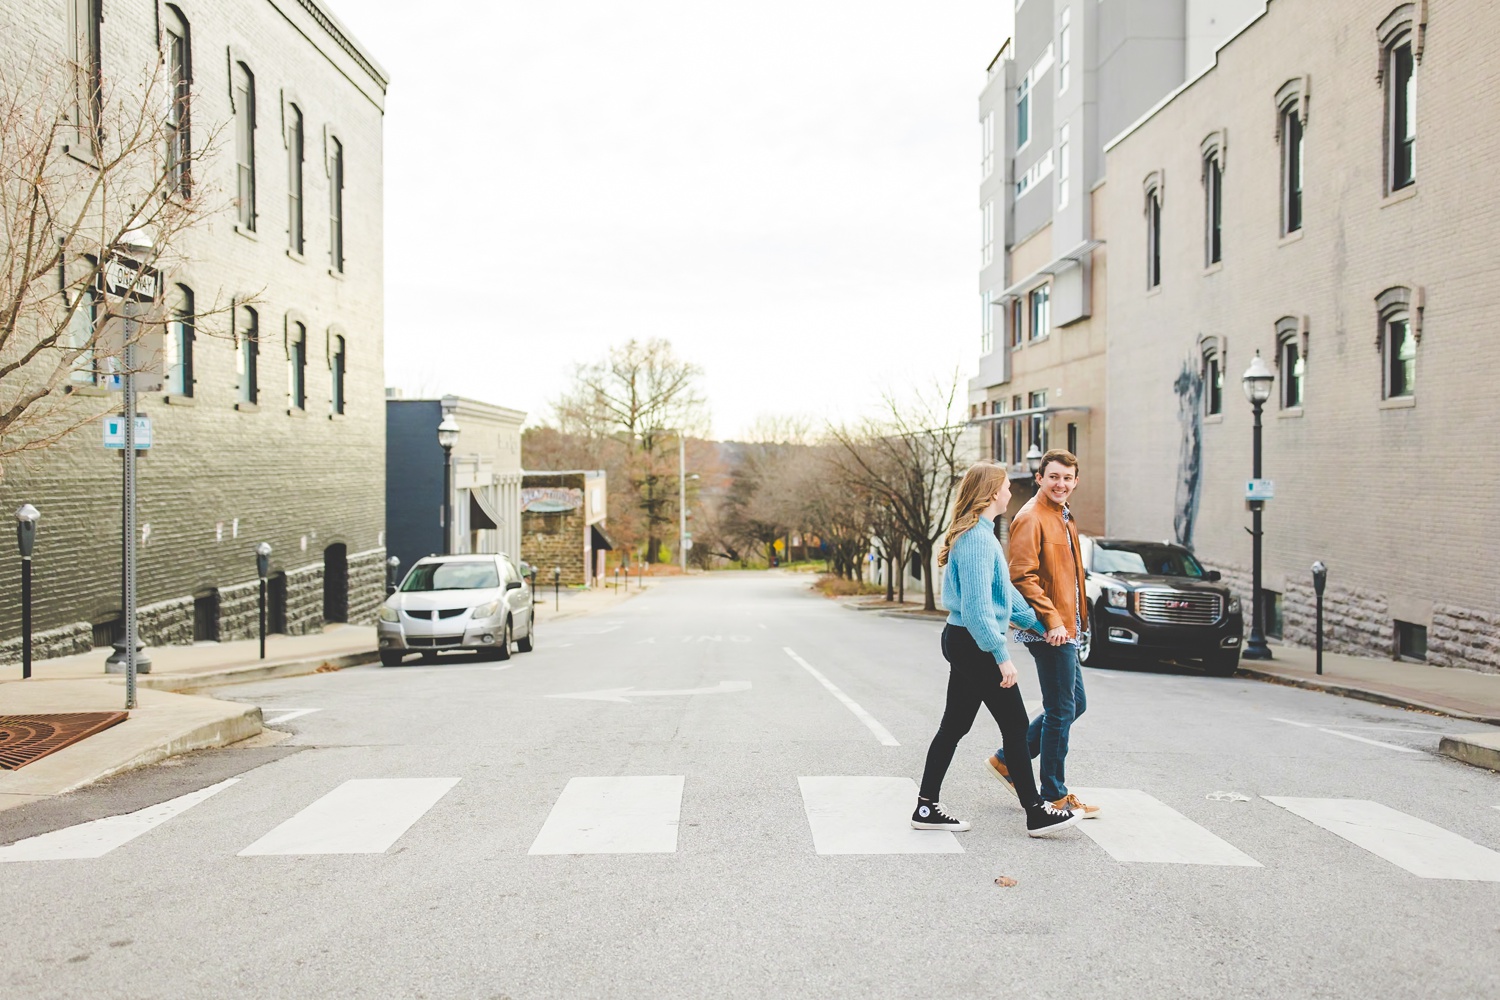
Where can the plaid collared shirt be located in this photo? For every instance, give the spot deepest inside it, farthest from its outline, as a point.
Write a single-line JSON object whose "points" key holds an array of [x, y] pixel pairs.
{"points": [[1079, 635]]}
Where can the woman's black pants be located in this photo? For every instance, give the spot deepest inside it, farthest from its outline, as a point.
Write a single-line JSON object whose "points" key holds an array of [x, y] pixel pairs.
{"points": [[974, 678]]}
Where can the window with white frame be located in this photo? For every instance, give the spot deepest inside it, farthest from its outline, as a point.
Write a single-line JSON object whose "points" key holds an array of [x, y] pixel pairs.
{"points": [[1017, 322], [336, 205], [81, 330], [1213, 379], [179, 343], [178, 60], [296, 356], [340, 366], [1038, 421], [987, 146], [247, 356], [1064, 50], [987, 234], [1401, 112], [244, 144], [1213, 208], [1063, 172], [1041, 311], [295, 148], [1017, 430], [1023, 113], [1399, 345], [1035, 174], [84, 17], [1291, 359], [1153, 233], [997, 433], [986, 322], [1292, 145]]}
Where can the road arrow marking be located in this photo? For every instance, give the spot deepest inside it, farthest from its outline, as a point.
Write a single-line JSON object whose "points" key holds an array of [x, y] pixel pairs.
{"points": [[624, 694]]}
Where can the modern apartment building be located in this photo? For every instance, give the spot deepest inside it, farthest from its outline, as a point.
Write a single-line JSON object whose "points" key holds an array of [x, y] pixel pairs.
{"points": [[1076, 73], [1300, 201], [270, 424]]}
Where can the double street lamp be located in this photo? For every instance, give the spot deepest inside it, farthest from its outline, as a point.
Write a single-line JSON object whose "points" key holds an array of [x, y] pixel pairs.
{"points": [[1257, 383], [447, 434]]}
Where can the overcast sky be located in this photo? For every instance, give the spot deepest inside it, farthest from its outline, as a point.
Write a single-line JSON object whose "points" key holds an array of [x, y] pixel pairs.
{"points": [[787, 191]]}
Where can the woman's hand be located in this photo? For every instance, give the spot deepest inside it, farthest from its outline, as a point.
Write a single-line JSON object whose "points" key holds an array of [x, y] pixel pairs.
{"points": [[1057, 636], [1007, 674]]}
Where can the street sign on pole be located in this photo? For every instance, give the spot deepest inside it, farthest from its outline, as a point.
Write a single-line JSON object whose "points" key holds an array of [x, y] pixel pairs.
{"points": [[1260, 489], [114, 432]]}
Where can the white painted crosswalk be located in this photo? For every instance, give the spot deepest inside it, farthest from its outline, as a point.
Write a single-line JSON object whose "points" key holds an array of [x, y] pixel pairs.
{"points": [[844, 815], [361, 816], [1416, 845]]}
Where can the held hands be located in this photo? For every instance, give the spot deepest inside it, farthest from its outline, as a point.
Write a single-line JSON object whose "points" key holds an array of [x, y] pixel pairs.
{"points": [[1057, 636], [1007, 674]]}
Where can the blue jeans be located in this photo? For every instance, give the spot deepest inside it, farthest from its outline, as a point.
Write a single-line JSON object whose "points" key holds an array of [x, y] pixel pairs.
{"points": [[1063, 700]]}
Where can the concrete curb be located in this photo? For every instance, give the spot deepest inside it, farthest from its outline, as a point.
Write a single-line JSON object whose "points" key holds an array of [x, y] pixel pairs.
{"points": [[183, 683], [1479, 749], [206, 736], [1363, 694]]}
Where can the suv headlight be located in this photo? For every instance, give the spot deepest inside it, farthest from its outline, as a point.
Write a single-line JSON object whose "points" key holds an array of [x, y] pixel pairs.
{"points": [[388, 614], [1116, 597], [486, 610], [1234, 605]]}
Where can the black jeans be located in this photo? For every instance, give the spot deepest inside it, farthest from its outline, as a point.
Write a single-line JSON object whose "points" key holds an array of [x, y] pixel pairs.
{"points": [[974, 678]]}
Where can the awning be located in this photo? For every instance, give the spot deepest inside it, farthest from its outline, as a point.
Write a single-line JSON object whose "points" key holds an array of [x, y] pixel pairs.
{"points": [[1073, 258], [482, 513], [601, 541]]}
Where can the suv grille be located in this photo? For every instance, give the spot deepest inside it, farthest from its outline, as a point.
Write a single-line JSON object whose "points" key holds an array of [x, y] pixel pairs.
{"points": [[1178, 607]]}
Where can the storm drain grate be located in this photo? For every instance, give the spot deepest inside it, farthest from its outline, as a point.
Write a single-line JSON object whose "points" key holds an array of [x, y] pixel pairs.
{"points": [[25, 738]]}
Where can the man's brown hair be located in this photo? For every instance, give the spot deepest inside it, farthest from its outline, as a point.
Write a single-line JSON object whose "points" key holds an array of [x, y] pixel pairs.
{"points": [[1060, 455]]}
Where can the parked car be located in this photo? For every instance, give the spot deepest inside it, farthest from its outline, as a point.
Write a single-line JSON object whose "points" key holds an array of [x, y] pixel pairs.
{"points": [[468, 602], [1153, 601]]}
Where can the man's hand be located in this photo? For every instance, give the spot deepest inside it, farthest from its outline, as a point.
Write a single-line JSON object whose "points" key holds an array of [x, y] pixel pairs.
{"points": [[1057, 636], [1007, 674]]}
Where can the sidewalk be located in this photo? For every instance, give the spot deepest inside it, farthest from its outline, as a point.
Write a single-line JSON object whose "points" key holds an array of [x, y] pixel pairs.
{"points": [[1451, 691], [168, 721]]}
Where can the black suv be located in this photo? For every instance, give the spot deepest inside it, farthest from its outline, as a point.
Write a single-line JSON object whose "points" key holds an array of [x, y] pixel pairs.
{"points": [[1152, 601]]}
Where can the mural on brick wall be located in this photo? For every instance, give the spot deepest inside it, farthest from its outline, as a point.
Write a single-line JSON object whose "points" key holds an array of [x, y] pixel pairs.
{"points": [[1189, 389]]}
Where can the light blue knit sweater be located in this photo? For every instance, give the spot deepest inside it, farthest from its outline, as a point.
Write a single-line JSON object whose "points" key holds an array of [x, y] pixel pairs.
{"points": [[978, 593]]}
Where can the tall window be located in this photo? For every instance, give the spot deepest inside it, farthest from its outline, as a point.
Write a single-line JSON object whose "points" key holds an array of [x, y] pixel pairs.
{"points": [[177, 56], [340, 367], [997, 434], [1153, 237], [83, 50], [1213, 381], [247, 356], [1065, 51], [296, 354], [1293, 367], [1017, 430], [987, 146], [1401, 113], [1038, 422], [294, 150], [1213, 209], [80, 336], [1017, 322], [1023, 113], [1041, 311], [179, 343], [987, 234], [1291, 169], [986, 322], [244, 143], [336, 205], [1399, 345], [1063, 173]]}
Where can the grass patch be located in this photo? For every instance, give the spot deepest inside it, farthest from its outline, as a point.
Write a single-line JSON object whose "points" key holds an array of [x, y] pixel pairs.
{"points": [[835, 586]]}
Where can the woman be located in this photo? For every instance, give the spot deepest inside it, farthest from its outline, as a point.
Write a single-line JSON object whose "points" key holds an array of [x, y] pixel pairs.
{"points": [[981, 602]]}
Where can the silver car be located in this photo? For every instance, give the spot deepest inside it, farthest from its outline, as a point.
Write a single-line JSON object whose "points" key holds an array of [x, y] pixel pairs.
{"points": [[468, 602]]}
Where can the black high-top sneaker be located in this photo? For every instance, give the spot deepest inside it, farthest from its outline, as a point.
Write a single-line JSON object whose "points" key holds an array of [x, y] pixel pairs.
{"points": [[1044, 818], [930, 816]]}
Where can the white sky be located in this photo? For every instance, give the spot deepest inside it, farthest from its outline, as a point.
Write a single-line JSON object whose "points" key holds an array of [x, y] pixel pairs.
{"points": [[787, 190]]}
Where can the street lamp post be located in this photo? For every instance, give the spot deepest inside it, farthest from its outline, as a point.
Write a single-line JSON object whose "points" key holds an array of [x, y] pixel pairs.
{"points": [[263, 570], [1033, 458], [26, 519], [1257, 383], [447, 433]]}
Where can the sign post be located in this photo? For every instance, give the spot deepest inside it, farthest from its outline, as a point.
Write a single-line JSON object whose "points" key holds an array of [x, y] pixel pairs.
{"points": [[136, 283]]}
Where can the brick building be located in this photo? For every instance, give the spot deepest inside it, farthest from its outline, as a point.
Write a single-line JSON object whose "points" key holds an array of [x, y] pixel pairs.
{"points": [[1297, 201], [270, 429], [562, 524]]}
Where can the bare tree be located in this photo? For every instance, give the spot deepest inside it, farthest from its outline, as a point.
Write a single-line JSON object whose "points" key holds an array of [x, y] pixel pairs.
{"points": [[908, 459], [87, 166], [644, 397]]}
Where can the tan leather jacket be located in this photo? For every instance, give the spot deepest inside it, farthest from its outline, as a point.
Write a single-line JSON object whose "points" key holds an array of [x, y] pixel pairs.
{"points": [[1046, 564]]}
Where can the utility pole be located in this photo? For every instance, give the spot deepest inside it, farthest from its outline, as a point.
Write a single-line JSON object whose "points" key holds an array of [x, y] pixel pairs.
{"points": [[682, 535]]}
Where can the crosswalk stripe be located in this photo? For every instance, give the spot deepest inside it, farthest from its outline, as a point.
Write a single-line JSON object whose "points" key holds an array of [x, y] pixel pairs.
{"points": [[866, 815], [98, 837], [361, 816], [1416, 845], [1135, 827], [620, 815]]}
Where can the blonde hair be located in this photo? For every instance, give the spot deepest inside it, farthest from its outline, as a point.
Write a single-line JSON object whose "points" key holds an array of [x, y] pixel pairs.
{"points": [[980, 484]]}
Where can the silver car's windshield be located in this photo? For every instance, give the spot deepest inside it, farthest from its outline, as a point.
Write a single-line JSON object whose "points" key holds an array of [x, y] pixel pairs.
{"points": [[451, 576]]}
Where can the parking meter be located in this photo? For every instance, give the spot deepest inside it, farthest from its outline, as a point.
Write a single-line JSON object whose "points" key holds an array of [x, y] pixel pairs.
{"points": [[263, 559], [26, 519], [1320, 577], [1320, 580]]}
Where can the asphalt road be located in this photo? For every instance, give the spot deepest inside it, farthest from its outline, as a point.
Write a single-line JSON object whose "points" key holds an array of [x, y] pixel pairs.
{"points": [[735, 826]]}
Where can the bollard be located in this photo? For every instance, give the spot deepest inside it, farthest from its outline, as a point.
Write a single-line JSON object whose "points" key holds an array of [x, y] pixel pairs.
{"points": [[1320, 580]]}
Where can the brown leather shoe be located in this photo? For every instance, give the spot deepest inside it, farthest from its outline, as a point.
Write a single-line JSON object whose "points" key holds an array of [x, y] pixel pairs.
{"points": [[1070, 801]]}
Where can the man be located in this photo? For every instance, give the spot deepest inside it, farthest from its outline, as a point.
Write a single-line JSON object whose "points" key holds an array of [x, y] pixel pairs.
{"points": [[1046, 565]]}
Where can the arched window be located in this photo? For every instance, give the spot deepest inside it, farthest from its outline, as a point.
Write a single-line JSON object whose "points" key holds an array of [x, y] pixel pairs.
{"points": [[82, 331], [1153, 187], [1402, 36], [339, 363], [244, 144], [247, 355], [1212, 369], [296, 356], [1291, 125], [1212, 150], [295, 143], [1291, 359], [179, 342], [336, 205], [176, 53], [1400, 318]]}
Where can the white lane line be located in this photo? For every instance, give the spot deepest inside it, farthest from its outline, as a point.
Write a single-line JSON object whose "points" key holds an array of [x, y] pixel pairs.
{"points": [[1347, 736], [623, 815], [290, 714], [855, 815], [98, 837], [881, 733], [1135, 827], [361, 816], [1416, 845]]}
